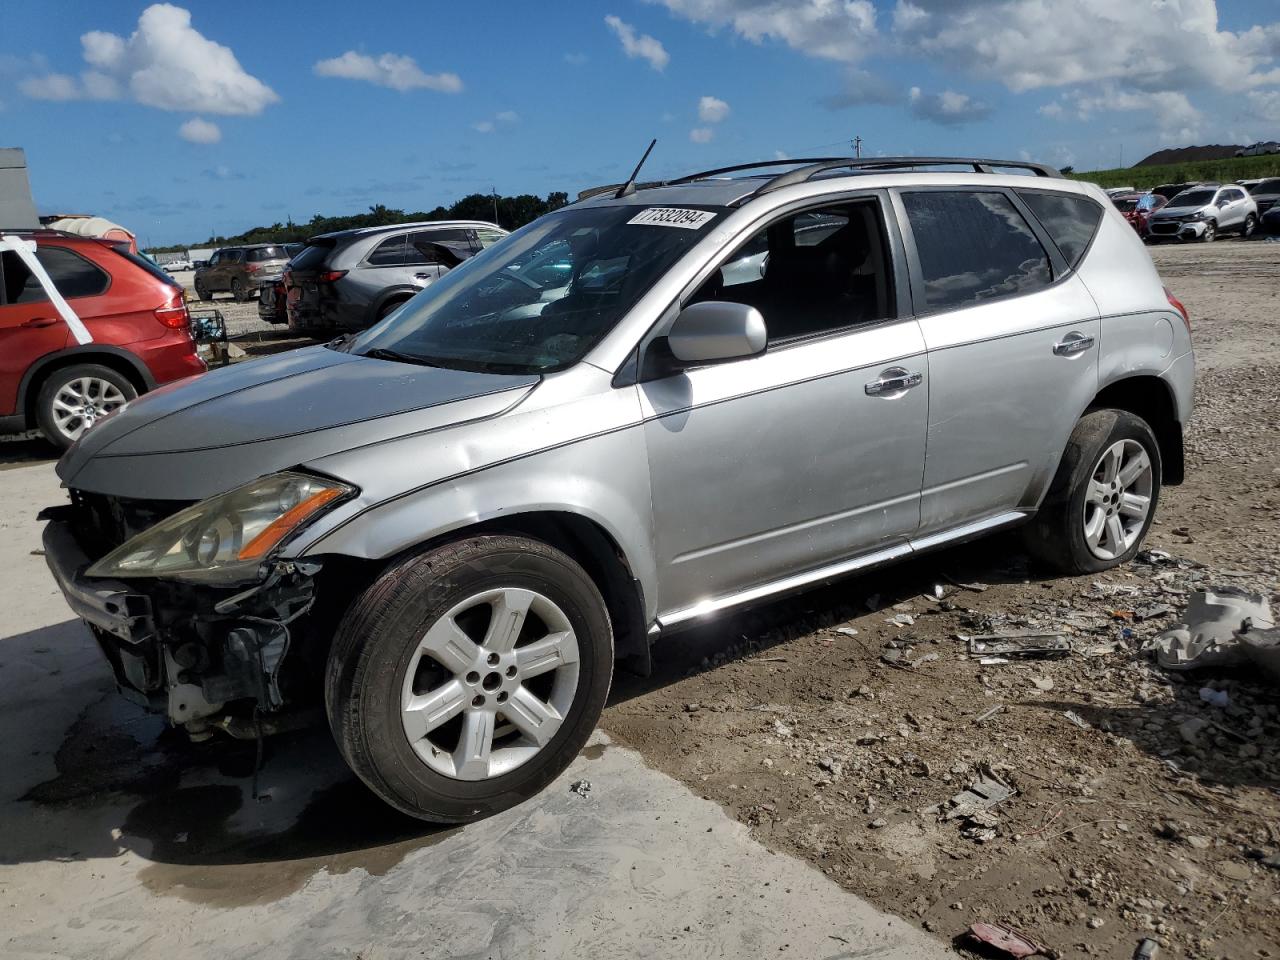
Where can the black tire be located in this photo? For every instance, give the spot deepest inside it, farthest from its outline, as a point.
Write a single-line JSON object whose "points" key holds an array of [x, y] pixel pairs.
{"points": [[60, 378], [1056, 537], [374, 648], [237, 290], [201, 292], [390, 305], [1210, 232], [1250, 225]]}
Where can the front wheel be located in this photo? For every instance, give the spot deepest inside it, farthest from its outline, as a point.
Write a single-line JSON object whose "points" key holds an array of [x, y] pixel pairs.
{"points": [[1210, 232], [202, 291], [1103, 498], [465, 679], [237, 291], [1250, 224], [74, 398]]}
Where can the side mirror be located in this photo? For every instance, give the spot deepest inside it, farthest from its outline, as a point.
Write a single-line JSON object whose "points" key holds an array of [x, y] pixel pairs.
{"points": [[715, 331]]}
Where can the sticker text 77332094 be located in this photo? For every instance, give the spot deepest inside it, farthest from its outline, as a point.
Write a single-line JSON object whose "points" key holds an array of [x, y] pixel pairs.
{"points": [[672, 217]]}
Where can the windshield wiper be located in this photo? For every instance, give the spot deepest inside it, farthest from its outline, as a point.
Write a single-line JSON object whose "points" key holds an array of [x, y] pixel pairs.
{"points": [[385, 353]]}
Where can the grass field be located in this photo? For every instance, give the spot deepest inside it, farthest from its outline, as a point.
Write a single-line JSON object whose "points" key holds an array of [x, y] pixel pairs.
{"points": [[1225, 171]]}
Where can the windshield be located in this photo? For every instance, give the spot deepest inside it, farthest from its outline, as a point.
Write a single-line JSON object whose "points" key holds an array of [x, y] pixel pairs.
{"points": [[1126, 204], [539, 299], [1265, 187], [1193, 198]]}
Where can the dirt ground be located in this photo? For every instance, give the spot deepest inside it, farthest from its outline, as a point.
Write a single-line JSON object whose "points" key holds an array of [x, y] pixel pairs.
{"points": [[834, 724]]}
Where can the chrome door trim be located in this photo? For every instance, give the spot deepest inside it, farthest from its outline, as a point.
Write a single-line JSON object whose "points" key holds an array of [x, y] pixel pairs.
{"points": [[798, 581]]}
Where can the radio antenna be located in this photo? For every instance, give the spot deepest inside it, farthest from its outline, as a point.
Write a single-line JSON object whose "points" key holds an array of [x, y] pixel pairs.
{"points": [[628, 188]]}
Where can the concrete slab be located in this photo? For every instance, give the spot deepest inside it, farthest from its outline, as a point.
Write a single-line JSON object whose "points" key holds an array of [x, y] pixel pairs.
{"points": [[118, 839]]}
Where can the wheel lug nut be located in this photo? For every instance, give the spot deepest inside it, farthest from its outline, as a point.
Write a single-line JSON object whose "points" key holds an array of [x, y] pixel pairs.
{"points": [[493, 659], [511, 671], [477, 701], [502, 697], [473, 677]]}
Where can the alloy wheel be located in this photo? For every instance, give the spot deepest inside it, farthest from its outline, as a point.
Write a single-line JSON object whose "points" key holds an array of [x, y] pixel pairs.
{"points": [[490, 684], [81, 402], [1118, 500]]}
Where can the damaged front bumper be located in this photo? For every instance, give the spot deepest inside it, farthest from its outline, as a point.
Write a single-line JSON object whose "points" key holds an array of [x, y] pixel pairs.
{"points": [[206, 658]]}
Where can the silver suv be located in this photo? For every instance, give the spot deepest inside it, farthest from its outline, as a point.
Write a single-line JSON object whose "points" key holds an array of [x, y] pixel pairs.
{"points": [[351, 279], [1204, 213], [633, 414]]}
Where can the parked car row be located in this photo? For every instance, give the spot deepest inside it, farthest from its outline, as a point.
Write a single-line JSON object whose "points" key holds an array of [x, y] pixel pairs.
{"points": [[1201, 211], [134, 311]]}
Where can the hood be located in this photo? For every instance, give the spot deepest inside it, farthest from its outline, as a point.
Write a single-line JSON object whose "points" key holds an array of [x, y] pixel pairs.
{"points": [[203, 436], [1173, 212]]}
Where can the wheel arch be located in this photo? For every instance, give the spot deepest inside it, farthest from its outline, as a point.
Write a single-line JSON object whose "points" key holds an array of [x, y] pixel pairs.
{"points": [[400, 293], [115, 358], [1152, 399]]}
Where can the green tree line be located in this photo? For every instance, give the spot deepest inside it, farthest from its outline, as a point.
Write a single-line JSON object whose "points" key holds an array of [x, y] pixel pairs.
{"points": [[512, 212]]}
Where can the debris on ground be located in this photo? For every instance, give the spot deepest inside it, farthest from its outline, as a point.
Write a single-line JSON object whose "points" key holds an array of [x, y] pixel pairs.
{"points": [[1021, 645], [1006, 939], [1262, 647], [1208, 634], [1147, 949], [981, 795], [581, 787]]}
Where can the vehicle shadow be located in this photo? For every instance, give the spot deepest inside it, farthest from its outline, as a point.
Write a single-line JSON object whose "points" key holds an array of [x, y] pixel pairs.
{"points": [[26, 449]]}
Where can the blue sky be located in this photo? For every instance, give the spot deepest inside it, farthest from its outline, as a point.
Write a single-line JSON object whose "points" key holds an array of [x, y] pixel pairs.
{"points": [[180, 124]]}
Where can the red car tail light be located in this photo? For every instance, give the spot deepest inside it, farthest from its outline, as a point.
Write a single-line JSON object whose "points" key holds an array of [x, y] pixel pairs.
{"points": [[1177, 305], [331, 276], [253, 267], [174, 315]]}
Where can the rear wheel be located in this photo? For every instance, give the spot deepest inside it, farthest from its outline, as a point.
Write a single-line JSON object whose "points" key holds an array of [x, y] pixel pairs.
{"points": [[74, 398], [464, 680], [386, 309], [1103, 498]]}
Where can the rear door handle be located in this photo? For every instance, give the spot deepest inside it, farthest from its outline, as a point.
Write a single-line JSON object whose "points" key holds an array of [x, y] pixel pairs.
{"points": [[893, 380], [40, 322], [1072, 344]]}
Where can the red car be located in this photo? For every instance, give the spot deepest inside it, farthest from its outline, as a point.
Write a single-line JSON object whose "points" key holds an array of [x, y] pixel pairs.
{"points": [[136, 314], [1138, 208]]}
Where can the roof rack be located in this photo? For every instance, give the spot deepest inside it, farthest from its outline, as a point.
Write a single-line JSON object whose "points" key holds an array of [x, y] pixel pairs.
{"points": [[812, 166]]}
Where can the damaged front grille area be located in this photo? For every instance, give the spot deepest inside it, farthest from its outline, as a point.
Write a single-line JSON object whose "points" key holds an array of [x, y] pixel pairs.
{"points": [[102, 523]]}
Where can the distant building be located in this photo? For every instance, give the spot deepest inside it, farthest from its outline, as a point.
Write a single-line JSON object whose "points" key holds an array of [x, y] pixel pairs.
{"points": [[17, 209]]}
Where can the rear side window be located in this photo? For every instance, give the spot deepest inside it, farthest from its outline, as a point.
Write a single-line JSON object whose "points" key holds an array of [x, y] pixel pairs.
{"points": [[488, 238], [973, 247], [259, 254], [389, 253], [1071, 221], [312, 257], [72, 274], [456, 238]]}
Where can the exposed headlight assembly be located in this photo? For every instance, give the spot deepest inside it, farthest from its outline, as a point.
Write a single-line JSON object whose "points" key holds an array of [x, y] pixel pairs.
{"points": [[225, 539]]}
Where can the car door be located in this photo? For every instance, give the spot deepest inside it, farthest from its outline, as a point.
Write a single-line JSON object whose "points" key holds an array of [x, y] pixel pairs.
{"points": [[782, 464], [1012, 336], [30, 327]]}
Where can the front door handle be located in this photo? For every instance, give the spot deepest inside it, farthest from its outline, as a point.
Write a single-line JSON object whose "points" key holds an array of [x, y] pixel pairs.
{"points": [[40, 322], [1072, 344], [893, 380]]}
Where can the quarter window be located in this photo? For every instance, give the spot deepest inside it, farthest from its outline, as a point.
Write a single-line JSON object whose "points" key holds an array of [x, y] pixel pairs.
{"points": [[1071, 221], [389, 253], [973, 247]]}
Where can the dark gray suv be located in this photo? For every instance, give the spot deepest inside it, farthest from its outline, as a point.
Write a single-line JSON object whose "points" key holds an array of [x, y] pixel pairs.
{"points": [[351, 279]]}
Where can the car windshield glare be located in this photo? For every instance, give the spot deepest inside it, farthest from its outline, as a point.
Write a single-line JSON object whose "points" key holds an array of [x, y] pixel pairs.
{"points": [[1194, 198], [538, 300]]}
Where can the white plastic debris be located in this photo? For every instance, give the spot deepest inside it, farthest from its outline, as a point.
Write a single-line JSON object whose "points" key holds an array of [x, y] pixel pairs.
{"points": [[1219, 698], [1206, 637]]}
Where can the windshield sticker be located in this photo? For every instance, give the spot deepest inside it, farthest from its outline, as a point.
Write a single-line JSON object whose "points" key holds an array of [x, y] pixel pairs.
{"points": [[672, 217]]}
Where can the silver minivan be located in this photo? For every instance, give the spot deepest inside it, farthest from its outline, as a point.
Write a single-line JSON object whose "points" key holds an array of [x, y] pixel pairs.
{"points": [[634, 414]]}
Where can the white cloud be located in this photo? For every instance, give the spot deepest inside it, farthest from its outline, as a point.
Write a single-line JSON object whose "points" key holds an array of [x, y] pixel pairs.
{"points": [[393, 70], [639, 45], [1052, 110], [863, 88], [949, 108], [165, 63], [702, 134], [1031, 44], [51, 86], [1265, 105], [712, 110], [199, 130], [1170, 112], [832, 29], [502, 118]]}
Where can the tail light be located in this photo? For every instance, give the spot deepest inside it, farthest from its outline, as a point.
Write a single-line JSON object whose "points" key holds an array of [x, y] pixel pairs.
{"points": [[253, 267], [287, 279], [331, 276], [1177, 305], [174, 314]]}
